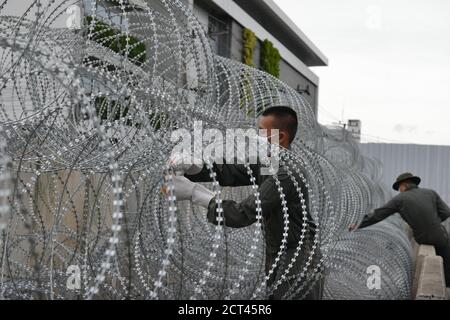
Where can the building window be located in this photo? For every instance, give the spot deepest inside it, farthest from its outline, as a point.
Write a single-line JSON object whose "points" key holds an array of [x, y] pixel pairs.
{"points": [[219, 35]]}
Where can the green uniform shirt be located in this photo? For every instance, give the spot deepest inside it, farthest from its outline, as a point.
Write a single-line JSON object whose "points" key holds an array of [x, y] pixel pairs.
{"points": [[422, 209], [243, 214]]}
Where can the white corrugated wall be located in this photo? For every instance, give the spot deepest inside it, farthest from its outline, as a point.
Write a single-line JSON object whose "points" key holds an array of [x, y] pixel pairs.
{"points": [[431, 163]]}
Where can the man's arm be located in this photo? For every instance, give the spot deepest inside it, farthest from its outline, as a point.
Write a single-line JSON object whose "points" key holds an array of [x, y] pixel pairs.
{"points": [[243, 214], [380, 214], [442, 208], [228, 175]]}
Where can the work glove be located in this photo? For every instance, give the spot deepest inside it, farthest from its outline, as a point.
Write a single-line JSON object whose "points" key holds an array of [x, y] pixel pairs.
{"points": [[181, 162], [185, 189]]}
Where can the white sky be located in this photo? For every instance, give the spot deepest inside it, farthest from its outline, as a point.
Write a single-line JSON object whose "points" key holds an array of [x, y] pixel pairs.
{"points": [[389, 65]]}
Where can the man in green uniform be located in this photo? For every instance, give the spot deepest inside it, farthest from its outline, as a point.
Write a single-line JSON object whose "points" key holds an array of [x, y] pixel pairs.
{"points": [[424, 211], [244, 213]]}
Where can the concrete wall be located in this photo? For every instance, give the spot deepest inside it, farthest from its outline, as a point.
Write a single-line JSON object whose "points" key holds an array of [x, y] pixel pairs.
{"points": [[429, 279], [295, 79], [202, 16], [257, 55], [236, 45], [288, 74]]}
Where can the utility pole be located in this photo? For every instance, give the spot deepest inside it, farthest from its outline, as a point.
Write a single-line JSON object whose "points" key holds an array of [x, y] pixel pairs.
{"points": [[344, 126]]}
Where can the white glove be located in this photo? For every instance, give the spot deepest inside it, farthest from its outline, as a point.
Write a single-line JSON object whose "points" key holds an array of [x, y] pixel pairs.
{"points": [[202, 196], [181, 162], [185, 189]]}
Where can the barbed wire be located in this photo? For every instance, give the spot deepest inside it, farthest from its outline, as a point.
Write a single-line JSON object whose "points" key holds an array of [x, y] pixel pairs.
{"points": [[87, 116]]}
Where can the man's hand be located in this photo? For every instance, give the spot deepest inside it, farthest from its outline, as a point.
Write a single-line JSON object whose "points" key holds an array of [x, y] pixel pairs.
{"points": [[352, 227], [184, 163], [184, 189]]}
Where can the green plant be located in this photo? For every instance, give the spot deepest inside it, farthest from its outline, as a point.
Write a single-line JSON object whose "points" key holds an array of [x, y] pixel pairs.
{"points": [[245, 91], [270, 58], [112, 110], [249, 43], [115, 40]]}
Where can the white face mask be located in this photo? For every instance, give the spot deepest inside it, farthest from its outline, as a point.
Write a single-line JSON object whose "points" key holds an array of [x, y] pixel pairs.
{"points": [[266, 146], [265, 139], [268, 153]]}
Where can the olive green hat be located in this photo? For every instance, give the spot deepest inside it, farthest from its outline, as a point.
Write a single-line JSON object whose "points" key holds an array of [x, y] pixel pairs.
{"points": [[404, 177]]}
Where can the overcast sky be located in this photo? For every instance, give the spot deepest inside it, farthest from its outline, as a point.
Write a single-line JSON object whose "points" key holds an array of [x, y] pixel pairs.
{"points": [[389, 65]]}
